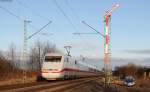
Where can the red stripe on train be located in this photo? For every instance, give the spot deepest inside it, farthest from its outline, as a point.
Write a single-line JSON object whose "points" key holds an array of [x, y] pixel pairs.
{"points": [[67, 69]]}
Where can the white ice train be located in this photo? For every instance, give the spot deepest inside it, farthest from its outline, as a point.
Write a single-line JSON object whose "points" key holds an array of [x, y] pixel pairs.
{"points": [[58, 66]]}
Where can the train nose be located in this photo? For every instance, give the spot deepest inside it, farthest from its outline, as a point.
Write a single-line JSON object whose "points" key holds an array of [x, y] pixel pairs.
{"points": [[51, 75]]}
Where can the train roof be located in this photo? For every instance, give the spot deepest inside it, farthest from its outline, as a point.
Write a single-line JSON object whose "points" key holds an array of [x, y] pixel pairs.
{"points": [[87, 64], [54, 54], [74, 58]]}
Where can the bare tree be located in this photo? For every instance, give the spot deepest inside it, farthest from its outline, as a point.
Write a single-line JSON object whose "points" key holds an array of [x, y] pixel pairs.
{"points": [[31, 62], [126, 70], [12, 54], [37, 52], [49, 48], [6, 67], [131, 69]]}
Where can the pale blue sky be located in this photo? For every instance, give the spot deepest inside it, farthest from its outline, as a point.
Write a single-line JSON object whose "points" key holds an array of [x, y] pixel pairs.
{"points": [[130, 25]]}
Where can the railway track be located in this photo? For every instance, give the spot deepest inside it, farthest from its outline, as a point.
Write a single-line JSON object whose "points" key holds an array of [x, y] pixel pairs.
{"points": [[52, 86]]}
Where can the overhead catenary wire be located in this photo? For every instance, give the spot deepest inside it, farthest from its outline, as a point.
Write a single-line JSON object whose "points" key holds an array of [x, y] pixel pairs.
{"points": [[64, 14], [79, 19], [11, 13], [18, 17], [76, 15], [31, 10], [72, 10]]}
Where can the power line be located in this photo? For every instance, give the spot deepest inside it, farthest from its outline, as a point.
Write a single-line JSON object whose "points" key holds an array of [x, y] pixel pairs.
{"points": [[78, 18], [16, 16], [76, 15], [72, 10], [9, 12], [68, 19], [64, 14], [31, 10]]}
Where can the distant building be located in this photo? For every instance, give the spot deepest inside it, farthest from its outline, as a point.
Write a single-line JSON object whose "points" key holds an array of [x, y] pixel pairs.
{"points": [[147, 71]]}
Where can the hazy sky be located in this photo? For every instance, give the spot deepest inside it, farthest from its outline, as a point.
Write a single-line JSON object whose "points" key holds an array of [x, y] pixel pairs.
{"points": [[130, 25]]}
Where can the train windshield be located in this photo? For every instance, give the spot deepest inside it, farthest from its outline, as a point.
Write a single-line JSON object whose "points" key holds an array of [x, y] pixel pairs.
{"points": [[53, 58]]}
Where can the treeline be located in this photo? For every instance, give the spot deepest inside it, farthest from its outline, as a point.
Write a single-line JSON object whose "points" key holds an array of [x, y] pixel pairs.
{"points": [[11, 63], [131, 70], [7, 68]]}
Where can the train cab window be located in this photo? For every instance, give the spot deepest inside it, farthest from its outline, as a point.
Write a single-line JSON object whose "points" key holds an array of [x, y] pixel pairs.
{"points": [[53, 59]]}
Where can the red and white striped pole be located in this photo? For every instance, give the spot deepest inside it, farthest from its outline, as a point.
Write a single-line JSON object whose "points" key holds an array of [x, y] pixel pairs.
{"points": [[106, 40], [107, 43], [106, 51]]}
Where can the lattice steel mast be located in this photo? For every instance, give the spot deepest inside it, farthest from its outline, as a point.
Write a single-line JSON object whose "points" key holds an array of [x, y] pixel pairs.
{"points": [[25, 48], [107, 50], [25, 42]]}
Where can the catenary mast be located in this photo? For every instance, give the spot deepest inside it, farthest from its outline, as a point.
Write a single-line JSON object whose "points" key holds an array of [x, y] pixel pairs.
{"points": [[107, 52]]}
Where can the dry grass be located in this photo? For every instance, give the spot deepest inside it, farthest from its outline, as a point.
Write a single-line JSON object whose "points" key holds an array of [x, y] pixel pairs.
{"points": [[12, 75], [13, 81], [143, 83]]}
